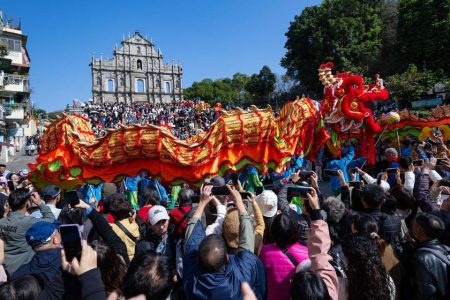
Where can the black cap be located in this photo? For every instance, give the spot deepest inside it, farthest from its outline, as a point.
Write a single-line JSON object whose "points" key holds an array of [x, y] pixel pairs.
{"points": [[51, 192], [216, 181]]}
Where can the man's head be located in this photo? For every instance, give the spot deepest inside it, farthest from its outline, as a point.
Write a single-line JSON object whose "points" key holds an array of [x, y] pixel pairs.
{"points": [[151, 275], [150, 196], [158, 219], [391, 154], [185, 197], [268, 203], [427, 227], [2, 168], [51, 194], [212, 253], [42, 236], [404, 163], [108, 189], [373, 196], [119, 206], [20, 199]]}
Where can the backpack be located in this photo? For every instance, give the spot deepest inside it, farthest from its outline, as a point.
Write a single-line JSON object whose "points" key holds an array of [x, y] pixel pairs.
{"points": [[339, 262]]}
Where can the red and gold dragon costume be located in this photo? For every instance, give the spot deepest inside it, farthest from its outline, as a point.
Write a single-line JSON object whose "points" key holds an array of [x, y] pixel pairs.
{"points": [[345, 108], [71, 154]]}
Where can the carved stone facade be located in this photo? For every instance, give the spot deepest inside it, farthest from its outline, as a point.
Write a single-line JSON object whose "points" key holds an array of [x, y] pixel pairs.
{"points": [[137, 73]]}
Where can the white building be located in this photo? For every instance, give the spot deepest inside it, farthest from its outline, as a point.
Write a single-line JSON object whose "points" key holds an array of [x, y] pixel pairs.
{"points": [[137, 73], [14, 85]]}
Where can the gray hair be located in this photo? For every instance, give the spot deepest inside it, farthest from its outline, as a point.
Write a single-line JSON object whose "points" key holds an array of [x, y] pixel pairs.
{"points": [[334, 208]]}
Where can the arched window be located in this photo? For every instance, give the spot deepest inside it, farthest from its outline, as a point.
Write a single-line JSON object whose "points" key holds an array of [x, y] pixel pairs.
{"points": [[167, 88], [110, 85], [122, 82], [140, 86], [139, 64]]}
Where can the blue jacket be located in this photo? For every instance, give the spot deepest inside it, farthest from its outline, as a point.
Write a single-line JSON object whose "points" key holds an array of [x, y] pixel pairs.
{"points": [[131, 183], [225, 283], [392, 178], [340, 164], [277, 177], [163, 197], [91, 191], [45, 262]]}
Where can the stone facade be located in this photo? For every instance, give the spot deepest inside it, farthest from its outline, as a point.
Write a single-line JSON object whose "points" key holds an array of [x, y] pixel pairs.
{"points": [[137, 73]]}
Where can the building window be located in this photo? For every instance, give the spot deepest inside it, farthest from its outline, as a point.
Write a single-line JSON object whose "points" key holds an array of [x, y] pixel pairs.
{"points": [[140, 86], [167, 88], [110, 85], [122, 82], [138, 50], [158, 83], [139, 64], [13, 45]]}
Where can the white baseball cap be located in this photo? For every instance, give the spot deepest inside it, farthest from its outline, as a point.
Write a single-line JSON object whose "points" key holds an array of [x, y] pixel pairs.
{"points": [[268, 203], [157, 213]]}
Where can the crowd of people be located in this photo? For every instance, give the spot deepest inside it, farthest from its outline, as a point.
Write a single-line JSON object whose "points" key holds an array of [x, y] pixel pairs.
{"points": [[182, 118], [378, 232]]}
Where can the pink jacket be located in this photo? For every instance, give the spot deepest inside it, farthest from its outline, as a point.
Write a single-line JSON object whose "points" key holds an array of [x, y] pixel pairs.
{"points": [[318, 245], [280, 270]]}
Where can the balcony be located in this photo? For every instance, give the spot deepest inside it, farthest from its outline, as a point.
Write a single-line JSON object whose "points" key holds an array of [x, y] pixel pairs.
{"points": [[16, 83], [14, 113]]}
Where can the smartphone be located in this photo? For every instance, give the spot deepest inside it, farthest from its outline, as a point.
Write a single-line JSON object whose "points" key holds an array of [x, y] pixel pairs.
{"points": [[440, 161], [305, 174], [72, 198], [355, 184], [235, 179], [245, 195], [331, 172], [71, 240], [220, 191], [418, 162], [296, 191], [391, 170]]}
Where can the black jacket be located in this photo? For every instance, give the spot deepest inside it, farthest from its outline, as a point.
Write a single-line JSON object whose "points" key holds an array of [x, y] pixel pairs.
{"points": [[430, 272], [150, 241]]}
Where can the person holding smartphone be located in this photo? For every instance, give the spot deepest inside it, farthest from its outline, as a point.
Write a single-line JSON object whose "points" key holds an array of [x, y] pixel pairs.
{"points": [[45, 240], [340, 164], [16, 224]]}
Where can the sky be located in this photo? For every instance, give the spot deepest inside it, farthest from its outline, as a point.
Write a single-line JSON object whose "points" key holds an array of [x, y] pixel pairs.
{"points": [[210, 38]]}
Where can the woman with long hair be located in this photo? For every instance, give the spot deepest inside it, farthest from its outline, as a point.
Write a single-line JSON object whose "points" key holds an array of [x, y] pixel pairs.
{"points": [[367, 277], [282, 257], [112, 267]]}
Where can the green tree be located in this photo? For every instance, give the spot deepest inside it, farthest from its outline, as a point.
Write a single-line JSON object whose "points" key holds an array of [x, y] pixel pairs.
{"points": [[347, 32], [223, 90], [261, 86], [413, 85], [39, 113], [423, 34], [389, 62]]}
